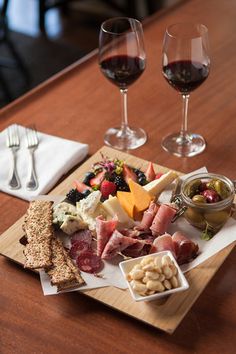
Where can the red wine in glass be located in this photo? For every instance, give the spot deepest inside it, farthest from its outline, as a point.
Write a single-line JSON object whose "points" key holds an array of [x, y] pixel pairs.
{"points": [[122, 60], [186, 66], [185, 75], [122, 70]]}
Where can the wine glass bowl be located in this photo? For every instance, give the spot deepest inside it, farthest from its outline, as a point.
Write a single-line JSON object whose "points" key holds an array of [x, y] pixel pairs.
{"points": [[185, 66], [122, 61]]}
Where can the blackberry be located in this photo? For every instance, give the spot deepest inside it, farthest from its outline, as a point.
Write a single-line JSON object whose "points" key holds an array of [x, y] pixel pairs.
{"points": [[141, 176], [74, 196], [88, 177], [142, 180], [121, 184], [85, 193]]}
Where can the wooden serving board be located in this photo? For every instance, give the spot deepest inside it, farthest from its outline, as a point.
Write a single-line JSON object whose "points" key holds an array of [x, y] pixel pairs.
{"points": [[165, 315]]}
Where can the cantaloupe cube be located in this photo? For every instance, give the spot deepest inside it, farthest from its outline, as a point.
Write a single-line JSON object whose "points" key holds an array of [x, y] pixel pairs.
{"points": [[127, 202], [141, 197]]}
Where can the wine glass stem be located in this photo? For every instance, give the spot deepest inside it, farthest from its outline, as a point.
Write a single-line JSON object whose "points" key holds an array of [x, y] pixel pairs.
{"points": [[124, 112], [183, 132]]}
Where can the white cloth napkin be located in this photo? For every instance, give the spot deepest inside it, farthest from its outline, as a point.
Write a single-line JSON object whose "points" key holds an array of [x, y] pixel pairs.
{"points": [[53, 158]]}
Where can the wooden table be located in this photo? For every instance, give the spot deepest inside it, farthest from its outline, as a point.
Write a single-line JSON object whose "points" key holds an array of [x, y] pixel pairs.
{"points": [[80, 104]]}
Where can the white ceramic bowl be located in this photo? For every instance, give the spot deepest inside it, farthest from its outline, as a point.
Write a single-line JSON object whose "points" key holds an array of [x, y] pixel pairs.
{"points": [[126, 267]]}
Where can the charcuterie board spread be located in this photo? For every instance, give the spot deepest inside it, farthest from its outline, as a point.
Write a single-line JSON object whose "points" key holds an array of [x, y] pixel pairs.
{"points": [[127, 223]]}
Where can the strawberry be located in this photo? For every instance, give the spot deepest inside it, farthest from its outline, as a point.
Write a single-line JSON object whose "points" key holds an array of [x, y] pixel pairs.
{"points": [[158, 175], [150, 172], [107, 188], [81, 187], [97, 180], [129, 174]]}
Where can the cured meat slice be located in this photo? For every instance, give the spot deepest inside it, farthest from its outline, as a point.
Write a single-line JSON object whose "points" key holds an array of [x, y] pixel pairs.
{"points": [[185, 248], [162, 219], [163, 243], [130, 232], [140, 248], [148, 216], [117, 243], [82, 235], [134, 250], [104, 230], [79, 247], [89, 262]]}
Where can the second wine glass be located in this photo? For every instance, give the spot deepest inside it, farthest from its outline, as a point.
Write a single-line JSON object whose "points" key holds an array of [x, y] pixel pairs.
{"points": [[186, 65], [122, 60]]}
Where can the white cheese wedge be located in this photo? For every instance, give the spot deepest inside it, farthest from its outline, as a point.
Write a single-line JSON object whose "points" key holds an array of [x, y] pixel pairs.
{"points": [[91, 207], [113, 207], [89, 204], [158, 185], [90, 219], [72, 224]]}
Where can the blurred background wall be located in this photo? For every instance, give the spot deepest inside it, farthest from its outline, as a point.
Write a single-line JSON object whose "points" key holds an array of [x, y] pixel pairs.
{"points": [[38, 38]]}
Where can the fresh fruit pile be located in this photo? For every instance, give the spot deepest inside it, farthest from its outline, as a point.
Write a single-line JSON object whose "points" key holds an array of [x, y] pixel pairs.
{"points": [[110, 176]]}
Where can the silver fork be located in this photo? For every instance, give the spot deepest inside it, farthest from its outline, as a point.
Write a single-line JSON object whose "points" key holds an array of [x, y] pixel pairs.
{"points": [[32, 144], [13, 143]]}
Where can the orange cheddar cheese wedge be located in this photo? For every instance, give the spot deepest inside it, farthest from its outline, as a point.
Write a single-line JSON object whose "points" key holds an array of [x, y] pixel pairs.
{"points": [[127, 202], [141, 197]]}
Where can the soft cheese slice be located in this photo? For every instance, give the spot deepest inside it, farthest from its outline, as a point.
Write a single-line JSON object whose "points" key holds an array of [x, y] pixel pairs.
{"points": [[158, 185], [127, 202], [61, 210], [89, 204], [114, 208], [72, 224], [141, 197]]}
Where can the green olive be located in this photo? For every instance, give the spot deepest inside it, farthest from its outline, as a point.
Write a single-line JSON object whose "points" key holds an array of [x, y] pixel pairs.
{"points": [[211, 184], [195, 218], [192, 188], [198, 198], [217, 218], [221, 188]]}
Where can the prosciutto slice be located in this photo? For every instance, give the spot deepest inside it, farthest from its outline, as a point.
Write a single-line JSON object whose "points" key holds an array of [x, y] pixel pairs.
{"points": [[116, 244], [135, 249], [185, 249], [104, 230], [163, 243], [162, 219], [148, 216]]}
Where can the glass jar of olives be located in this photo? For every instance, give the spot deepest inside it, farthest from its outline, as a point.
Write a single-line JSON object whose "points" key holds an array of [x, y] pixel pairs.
{"points": [[208, 200]]}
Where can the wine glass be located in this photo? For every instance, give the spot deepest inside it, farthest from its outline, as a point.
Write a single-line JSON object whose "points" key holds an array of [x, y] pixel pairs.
{"points": [[186, 66], [122, 60]]}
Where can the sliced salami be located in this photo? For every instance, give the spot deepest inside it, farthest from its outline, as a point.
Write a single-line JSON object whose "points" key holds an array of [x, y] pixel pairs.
{"points": [[89, 262], [116, 244], [104, 230], [78, 247], [82, 235]]}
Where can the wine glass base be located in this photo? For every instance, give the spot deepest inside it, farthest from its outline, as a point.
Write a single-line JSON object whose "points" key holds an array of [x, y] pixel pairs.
{"points": [[134, 138], [191, 145]]}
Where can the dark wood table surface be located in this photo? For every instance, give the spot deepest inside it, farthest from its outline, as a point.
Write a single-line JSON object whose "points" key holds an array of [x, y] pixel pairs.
{"points": [[80, 104]]}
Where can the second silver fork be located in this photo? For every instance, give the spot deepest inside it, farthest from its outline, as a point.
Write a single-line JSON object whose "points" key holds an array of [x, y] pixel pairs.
{"points": [[32, 144]]}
